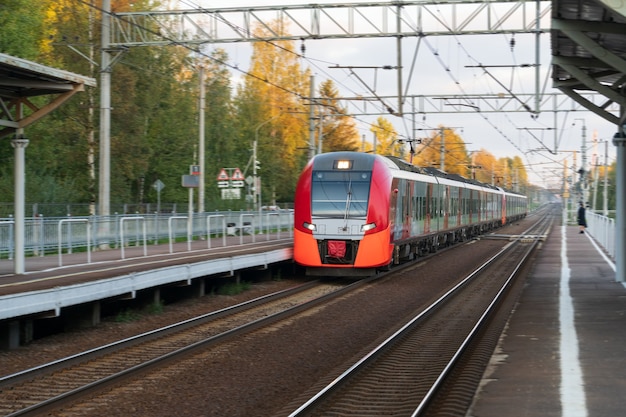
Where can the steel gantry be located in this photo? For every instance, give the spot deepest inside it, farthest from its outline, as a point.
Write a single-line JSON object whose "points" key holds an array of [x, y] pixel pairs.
{"points": [[396, 19], [330, 21]]}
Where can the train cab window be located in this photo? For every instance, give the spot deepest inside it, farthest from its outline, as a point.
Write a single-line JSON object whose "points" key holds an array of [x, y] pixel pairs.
{"points": [[340, 194]]}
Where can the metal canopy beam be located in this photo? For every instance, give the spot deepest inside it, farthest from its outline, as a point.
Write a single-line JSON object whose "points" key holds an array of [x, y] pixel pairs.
{"points": [[21, 79]]}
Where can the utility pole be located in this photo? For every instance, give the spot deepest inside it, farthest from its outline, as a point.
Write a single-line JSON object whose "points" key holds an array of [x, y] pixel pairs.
{"points": [[104, 191], [256, 163], [312, 120], [201, 157], [584, 189], [605, 199], [442, 147]]}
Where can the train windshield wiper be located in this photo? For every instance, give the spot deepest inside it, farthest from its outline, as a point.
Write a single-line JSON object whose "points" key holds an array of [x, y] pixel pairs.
{"points": [[348, 201]]}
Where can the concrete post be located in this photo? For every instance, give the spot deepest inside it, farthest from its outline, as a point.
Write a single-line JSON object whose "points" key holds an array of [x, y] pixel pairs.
{"points": [[19, 144]]}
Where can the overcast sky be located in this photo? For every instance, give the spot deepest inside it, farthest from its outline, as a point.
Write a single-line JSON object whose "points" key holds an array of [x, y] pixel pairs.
{"points": [[442, 68]]}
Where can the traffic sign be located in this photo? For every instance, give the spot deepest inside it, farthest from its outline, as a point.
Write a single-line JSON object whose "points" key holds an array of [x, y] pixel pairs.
{"points": [[223, 176], [237, 175], [236, 184], [190, 181], [158, 185], [222, 184]]}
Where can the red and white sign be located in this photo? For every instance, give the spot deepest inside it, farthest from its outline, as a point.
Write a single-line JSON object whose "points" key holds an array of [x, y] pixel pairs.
{"points": [[223, 176], [237, 175]]}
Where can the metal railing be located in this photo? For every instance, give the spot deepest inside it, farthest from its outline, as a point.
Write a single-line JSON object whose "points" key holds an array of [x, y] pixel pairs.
{"points": [[602, 229], [59, 235]]}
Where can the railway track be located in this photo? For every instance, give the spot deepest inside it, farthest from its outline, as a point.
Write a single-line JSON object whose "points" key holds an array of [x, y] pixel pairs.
{"points": [[432, 365], [67, 380], [80, 393]]}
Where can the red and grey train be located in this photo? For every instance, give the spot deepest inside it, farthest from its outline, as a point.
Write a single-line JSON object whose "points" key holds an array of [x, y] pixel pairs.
{"points": [[356, 213]]}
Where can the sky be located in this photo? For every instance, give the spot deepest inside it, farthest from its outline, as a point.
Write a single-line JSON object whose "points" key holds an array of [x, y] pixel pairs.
{"points": [[446, 65]]}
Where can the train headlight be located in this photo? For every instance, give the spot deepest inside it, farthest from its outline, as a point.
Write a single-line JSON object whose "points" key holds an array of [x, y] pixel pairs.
{"points": [[310, 226], [369, 226]]}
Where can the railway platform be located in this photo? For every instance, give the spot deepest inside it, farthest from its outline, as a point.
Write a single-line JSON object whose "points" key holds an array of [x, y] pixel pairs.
{"points": [[54, 284], [563, 352]]}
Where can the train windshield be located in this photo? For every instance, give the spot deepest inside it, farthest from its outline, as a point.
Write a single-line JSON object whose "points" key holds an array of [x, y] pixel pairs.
{"points": [[340, 194]]}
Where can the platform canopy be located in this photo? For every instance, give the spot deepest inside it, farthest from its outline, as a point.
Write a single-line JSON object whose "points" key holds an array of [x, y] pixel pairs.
{"points": [[589, 52], [20, 80]]}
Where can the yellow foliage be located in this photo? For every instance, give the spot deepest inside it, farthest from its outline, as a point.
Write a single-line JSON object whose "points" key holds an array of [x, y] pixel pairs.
{"points": [[431, 152]]}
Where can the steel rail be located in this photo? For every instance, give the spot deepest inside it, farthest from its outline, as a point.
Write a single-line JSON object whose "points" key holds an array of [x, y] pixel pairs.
{"points": [[91, 387], [422, 407], [147, 336]]}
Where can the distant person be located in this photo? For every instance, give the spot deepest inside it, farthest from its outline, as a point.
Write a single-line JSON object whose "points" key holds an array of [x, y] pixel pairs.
{"points": [[582, 222]]}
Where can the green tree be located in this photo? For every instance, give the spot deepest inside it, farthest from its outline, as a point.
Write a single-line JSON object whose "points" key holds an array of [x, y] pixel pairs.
{"points": [[22, 22], [153, 131], [57, 167], [224, 148]]}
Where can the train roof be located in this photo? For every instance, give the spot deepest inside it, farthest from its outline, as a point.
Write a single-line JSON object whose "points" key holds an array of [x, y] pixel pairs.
{"points": [[364, 161], [434, 172], [405, 166]]}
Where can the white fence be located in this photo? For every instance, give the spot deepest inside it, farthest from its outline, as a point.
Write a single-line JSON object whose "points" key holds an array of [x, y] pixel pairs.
{"points": [[67, 234], [602, 229]]}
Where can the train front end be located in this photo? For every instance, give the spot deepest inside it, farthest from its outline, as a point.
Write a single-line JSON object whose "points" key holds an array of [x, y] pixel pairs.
{"points": [[342, 215]]}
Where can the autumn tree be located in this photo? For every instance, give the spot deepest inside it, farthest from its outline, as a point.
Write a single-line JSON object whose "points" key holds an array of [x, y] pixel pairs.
{"points": [[386, 138], [483, 163], [452, 150], [338, 130], [269, 108]]}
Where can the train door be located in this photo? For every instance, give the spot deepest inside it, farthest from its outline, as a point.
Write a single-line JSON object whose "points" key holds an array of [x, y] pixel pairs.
{"points": [[428, 208], [493, 206], [407, 209], [436, 207], [474, 208], [462, 209], [482, 209], [400, 209], [445, 206], [417, 221], [395, 209], [452, 209]]}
